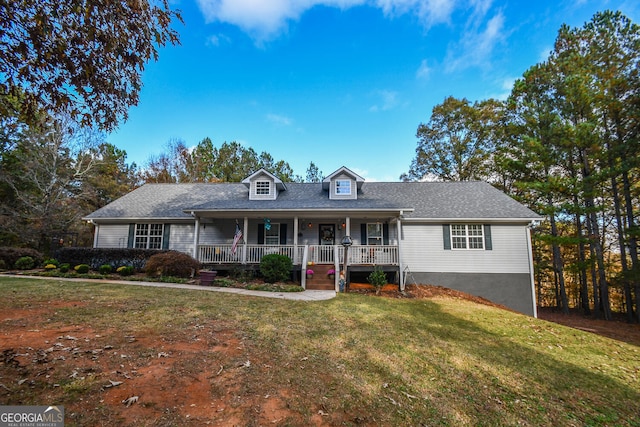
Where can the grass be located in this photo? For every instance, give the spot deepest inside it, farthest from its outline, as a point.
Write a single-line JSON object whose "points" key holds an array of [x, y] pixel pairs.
{"points": [[364, 360]]}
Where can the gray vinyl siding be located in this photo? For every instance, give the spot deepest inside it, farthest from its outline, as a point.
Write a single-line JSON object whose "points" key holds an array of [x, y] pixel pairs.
{"points": [[112, 235], [181, 238], [423, 251]]}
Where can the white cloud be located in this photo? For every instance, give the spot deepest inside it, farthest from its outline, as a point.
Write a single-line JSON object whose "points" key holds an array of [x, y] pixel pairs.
{"points": [[265, 20], [424, 71], [430, 12], [506, 86], [216, 39], [476, 47], [388, 100], [279, 119]]}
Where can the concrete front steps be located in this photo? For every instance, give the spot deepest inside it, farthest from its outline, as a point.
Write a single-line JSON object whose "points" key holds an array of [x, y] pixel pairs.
{"points": [[320, 280]]}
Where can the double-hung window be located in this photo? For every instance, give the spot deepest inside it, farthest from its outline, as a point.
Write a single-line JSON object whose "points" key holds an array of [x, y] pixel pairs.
{"points": [[263, 188], [149, 236], [272, 235], [467, 236], [374, 233], [343, 187]]}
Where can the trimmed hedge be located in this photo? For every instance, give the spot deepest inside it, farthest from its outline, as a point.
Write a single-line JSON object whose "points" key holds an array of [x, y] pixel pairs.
{"points": [[9, 256], [95, 257]]}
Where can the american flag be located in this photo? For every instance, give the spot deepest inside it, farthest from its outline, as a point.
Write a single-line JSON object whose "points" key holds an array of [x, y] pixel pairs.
{"points": [[236, 239]]}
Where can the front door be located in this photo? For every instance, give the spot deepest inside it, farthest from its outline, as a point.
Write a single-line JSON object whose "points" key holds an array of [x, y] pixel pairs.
{"points": [[327, 234]]}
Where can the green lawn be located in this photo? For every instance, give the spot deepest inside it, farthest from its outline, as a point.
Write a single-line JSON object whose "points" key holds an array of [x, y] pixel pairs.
{"points": [[353, 360]]}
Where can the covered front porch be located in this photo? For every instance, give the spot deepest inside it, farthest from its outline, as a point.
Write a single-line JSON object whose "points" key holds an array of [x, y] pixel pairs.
{"points": [[359, 257], [315, 242]]}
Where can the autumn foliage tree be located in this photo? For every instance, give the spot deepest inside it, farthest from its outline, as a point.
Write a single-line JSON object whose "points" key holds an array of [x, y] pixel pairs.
{"points": [[79, 57]]}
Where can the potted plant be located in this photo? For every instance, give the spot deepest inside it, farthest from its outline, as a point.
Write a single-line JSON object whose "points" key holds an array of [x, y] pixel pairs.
{"points": [[331, 273], [207, 277], [309, 273]]}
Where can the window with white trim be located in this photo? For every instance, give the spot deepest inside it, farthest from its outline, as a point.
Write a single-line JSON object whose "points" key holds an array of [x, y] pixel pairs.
{"points": [[149, 236], [263, 188], [343, 187], [272, 235], [374, 233], [467, 236]]}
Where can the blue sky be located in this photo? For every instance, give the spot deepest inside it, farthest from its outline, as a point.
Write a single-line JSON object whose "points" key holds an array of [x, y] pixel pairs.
{"points": [[336, 82]]}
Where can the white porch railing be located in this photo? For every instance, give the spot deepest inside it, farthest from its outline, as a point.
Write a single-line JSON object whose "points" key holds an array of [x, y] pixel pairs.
{"points": [[372, 254], [321, 254], [318, 254]]}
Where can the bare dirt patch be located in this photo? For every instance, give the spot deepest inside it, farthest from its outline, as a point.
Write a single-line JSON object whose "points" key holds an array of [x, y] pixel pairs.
{"points": [[111, 377]]}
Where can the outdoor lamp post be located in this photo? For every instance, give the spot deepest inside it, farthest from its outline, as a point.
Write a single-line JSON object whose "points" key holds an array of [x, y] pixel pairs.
{"points": [[346, 242]]}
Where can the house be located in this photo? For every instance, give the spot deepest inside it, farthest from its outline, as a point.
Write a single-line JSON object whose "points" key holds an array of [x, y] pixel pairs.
{"points": [[467, 236]]}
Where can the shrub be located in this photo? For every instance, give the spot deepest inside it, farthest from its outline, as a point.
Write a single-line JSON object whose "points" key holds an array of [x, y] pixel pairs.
{"points": [[377, 278], [105, 269], [65, 268], [275, 268], [82, 268], [25, 263], [50, 267], [125, 270], [51, 261], [171, 263], [10, 255]]}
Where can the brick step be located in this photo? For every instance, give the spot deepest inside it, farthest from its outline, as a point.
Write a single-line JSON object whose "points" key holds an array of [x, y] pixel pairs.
{"points": [[320, 280]]}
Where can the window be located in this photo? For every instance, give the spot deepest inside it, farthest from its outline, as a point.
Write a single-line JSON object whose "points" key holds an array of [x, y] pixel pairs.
{"points": [[149, 236], [272, 235], [467, 236], [374, 233], [343, 186], [263, 188]]}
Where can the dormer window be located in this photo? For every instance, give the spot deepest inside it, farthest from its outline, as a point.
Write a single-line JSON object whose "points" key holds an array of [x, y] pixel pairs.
{"points": [[343, 184], [263, 188], [343, 187], [263, 185]]}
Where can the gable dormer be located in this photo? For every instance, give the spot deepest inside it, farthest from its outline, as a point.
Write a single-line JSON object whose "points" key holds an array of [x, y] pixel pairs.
{"points": [[263, 185], [343, 184]]}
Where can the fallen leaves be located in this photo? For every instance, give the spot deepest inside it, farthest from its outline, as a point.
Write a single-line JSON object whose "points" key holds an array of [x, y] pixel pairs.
{"points": [[130, 400]]}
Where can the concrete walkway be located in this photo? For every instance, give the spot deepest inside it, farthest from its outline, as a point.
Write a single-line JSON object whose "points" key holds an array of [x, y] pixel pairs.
{"points": [[296, 296]]}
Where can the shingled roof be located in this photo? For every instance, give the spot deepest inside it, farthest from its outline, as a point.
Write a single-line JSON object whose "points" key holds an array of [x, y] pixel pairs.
{"points": [[416, 200]]}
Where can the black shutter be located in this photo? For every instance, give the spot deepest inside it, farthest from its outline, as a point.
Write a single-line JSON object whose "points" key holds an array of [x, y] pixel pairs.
{"points": [[283, 234], [363, 234], [165, 236], [261, 234], [488, 245], [132, 236], [446, 236], [385, 233]]}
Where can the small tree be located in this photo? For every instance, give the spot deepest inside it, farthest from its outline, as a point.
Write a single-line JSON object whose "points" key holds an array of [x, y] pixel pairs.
{"points": [[377, 278], [275, 268]]}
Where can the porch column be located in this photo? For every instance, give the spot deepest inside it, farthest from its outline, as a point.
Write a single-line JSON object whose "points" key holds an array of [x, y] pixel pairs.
{"points": [[295, 240], [96, 233], [196, 237], [400, 265], [245, 234]]}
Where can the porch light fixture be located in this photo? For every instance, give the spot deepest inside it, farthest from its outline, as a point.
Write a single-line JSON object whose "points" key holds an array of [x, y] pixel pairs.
{"points": [[309, 225], [346, 241]]}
